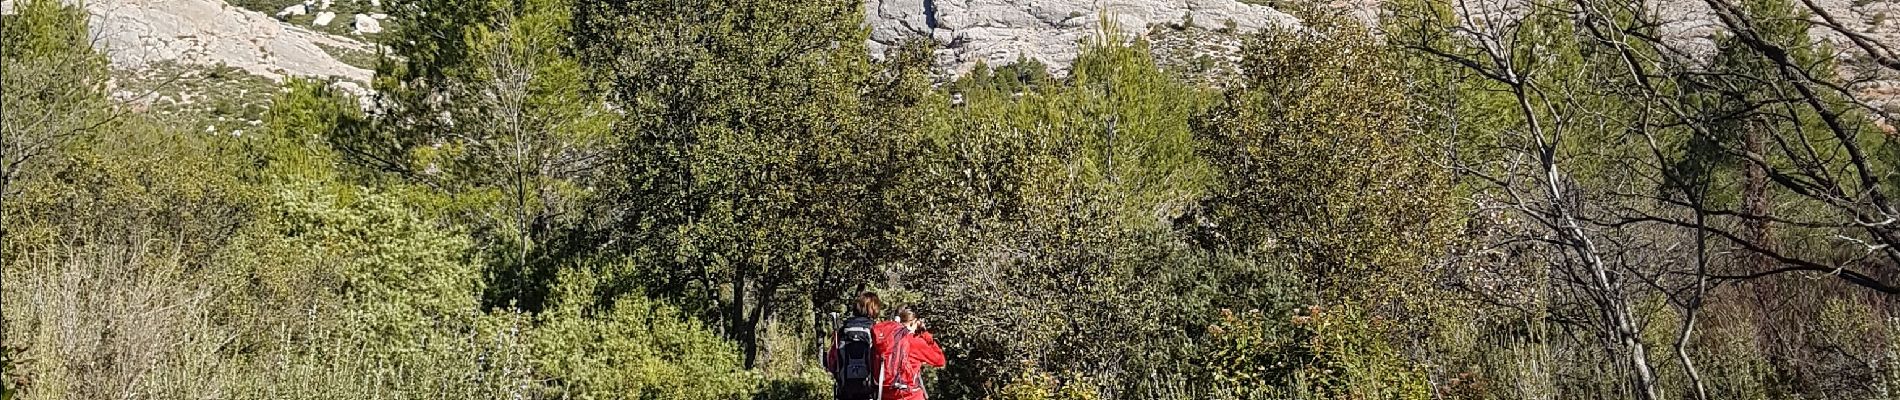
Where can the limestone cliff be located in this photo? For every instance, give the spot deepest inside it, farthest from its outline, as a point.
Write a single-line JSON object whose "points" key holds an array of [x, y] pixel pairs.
{"points": [[138, 33], [1002, 31]]}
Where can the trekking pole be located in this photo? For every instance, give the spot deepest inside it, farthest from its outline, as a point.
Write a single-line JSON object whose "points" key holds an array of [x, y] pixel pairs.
{"points": [[826, 328], [818, 330], [880, 380]]}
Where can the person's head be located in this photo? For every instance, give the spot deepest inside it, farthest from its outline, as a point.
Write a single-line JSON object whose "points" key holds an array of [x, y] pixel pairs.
{"points": [[905, 314], [908, 316], [866, 306]]}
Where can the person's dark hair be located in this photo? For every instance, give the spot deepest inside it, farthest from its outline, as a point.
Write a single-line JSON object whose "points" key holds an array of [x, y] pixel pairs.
{"points": [[867, 305], [906, 314]]}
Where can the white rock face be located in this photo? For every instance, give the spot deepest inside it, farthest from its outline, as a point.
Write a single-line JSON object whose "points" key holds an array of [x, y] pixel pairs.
{"points": [[136, 33], [998, 32], [363, 24], [324, 18]]}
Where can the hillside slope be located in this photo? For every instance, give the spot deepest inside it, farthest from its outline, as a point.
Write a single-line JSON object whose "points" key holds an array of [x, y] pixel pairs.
{"points": [[140, 33]]}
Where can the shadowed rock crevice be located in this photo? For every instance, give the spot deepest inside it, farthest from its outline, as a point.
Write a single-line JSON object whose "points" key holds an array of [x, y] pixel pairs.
{"points": [[930, 14]]}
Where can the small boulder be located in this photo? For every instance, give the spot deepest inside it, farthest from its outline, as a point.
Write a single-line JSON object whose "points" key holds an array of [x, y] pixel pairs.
{"points": [[365, 24], [294, 9], [324, 18]]}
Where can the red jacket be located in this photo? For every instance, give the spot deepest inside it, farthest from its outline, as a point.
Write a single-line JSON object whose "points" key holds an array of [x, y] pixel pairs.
{"points": [[904, 367]]}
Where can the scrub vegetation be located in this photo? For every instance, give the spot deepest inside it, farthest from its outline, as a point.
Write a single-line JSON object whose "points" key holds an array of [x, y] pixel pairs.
{"points": [[667, 199]]}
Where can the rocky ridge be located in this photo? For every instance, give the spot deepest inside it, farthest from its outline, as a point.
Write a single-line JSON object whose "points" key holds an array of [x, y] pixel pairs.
{"points": [[999, 32], [138, 33]]}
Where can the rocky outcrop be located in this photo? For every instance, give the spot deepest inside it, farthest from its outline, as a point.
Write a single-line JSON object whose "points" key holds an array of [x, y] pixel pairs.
{"points": [[1690, 28], [999, 32], [137, 33], [1877, 21]]}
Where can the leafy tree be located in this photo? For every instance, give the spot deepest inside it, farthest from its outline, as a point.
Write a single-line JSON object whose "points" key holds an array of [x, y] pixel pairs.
{"points": [[1320, 165], [1043, 228], [301, 133], [1322, 172], [750, 168], [514, 135]]}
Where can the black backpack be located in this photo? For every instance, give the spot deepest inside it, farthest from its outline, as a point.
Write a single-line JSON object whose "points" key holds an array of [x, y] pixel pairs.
{"points": [[856, 376]]}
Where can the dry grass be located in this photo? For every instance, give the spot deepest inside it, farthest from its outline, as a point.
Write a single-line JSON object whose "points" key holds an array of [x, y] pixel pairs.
{"points": [[133, 322], [113, 322]]}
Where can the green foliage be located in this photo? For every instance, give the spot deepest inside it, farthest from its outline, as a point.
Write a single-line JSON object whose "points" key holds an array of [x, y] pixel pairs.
{"points": [[97, 250], [303, 129], [159, 185], [1320, 167], [516, 136], [1318, 353], [810, 384], [431, 45], [42, 29], [380, 257], [654, 199], [55, 88], [1043, 226], [634, 348], [347, 285], [1043, 386], [1024, 75], [752, 175]]}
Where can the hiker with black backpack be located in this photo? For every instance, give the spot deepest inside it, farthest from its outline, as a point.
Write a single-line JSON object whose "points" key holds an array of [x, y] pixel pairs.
{"points": [[858, 346]]}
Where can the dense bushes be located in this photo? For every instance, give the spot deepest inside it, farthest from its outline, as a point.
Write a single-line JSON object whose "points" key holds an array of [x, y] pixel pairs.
{"points": [[1314, 353], [580, 199], [631, 348]]}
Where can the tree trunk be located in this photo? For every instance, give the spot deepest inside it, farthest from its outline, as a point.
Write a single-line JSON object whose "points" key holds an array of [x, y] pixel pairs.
{"points": [[1755, 201], [754, 323], [735, 316], [1611, 303], [1694, 305]]}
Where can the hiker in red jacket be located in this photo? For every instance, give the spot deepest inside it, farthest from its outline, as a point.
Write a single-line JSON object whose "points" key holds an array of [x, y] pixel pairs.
{"points": [[911, 349]]}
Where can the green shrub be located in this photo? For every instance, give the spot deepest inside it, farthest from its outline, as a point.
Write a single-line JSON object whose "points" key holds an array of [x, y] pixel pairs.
{"points": [[1044, 386], [1317, 353], [108, 267], [811, 384], [339, 291], [632, 348]]}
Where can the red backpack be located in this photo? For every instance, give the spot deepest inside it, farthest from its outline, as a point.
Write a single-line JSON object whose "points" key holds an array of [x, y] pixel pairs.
{"points": [[892, 373]]}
